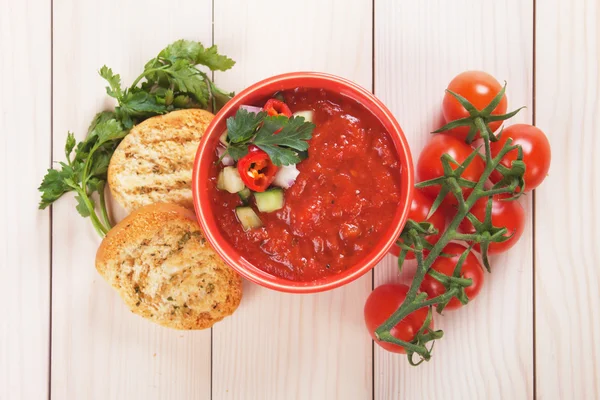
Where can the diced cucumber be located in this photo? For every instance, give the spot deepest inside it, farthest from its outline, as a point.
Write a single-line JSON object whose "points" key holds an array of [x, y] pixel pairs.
{"points": [[248, 218], [245, 195], [231, 180], [221, 181], [223, 138], [269, 201], [308, 115]]}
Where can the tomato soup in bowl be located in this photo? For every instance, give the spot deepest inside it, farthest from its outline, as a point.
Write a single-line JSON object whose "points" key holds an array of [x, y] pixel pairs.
{"points": [[303, 182]]}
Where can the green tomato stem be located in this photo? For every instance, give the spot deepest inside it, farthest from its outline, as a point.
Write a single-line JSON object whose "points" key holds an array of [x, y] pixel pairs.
{"points": [[412, 302]]}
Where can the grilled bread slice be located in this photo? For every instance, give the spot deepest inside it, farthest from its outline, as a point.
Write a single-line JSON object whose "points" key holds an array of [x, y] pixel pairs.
{"points": [[154, 162], [158, 260]]}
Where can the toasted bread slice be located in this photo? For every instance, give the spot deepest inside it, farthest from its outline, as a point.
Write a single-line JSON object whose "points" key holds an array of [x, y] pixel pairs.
{"points": [[158, 260], [154, 162]]}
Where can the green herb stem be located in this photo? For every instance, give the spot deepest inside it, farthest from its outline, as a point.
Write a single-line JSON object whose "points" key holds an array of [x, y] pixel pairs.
{"points": [[103, 208], [146, 73], [100, 228]]}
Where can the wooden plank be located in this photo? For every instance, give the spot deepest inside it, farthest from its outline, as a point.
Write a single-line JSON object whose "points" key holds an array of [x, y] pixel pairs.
{"points": [[100, 350], [567, 279], [24, 231], [282, 346], [487, 350]]}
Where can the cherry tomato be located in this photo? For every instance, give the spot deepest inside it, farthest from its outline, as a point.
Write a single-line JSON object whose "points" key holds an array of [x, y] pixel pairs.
{"points": [[479, 88], [504, 213], [536, 153], [381, 304], [256, 169], [277, 107], [429, 165], [471, 269], [419, 209]]}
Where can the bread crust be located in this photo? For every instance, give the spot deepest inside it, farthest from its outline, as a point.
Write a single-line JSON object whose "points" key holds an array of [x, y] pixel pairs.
{"points": [[153, 163], [164, 270]]}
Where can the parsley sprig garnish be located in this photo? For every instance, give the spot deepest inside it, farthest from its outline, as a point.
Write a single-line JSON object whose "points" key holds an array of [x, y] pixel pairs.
{"points": [[169, 82], [284, 139]]}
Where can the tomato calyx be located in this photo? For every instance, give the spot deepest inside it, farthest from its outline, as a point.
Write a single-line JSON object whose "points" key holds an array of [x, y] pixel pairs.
{"points": [[256, 169], [454, 284], [478, 120], [513, 176], [484, 232], [452, 181], [418, 344], [413, 238]]}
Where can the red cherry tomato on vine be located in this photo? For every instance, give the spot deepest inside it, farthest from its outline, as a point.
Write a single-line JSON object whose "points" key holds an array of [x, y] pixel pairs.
{"points": [[536, 153], [256, 169], [509, 214], [479, 88], [275, 107], [429, 165], [419, 209], [471, 269], [381, 304]]}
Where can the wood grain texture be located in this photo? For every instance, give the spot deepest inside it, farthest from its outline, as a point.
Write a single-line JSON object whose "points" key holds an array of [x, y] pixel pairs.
{"points": [[487, 350], [24, 231], [282, 346], [567, 275], [315, 346], [100, 350]]}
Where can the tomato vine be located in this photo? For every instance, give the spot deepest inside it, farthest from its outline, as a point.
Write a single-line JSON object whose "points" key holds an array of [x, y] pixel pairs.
{"points": [[413, 236]]}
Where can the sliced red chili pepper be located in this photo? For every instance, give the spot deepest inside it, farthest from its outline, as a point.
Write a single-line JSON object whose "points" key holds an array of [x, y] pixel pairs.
{"points": [[277, 107], [256, 169]]}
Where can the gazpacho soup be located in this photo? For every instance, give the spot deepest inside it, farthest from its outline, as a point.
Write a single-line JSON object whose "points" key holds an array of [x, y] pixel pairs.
{"points": [[304, 184]]}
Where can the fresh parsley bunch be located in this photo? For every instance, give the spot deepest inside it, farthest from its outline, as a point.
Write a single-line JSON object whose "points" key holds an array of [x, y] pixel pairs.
{"points": [[284, 139], [170, 81]]}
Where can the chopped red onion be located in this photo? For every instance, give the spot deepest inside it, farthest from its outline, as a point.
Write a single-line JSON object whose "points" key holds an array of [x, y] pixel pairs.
{"points": [[286, 176], [252, 109], [227, 160]]}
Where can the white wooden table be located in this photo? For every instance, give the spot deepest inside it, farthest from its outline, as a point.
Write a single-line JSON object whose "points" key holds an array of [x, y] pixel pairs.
{"points": [[534, 332]]}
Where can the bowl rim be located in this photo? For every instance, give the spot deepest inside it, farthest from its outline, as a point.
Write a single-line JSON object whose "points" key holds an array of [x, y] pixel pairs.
{"points": [[202, 203]]}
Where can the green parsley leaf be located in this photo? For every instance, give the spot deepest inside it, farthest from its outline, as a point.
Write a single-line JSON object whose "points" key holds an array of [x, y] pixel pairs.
{"points": [[183, 101], [188, 79], [169, 81], [99, 118], [96, 185], [164, 96], [53, 185], [213, 60], [138, 105], [237, 151], [99, 164], [109, 130], [283, 139], [243, 126], [69, 145], [196, 53], [86, 173], [294, 133], [82, 208], [280, 155], [114, 82]]}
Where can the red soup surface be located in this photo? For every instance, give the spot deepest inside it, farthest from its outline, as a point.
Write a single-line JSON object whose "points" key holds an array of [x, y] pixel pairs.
{"points": [[342, 202]]}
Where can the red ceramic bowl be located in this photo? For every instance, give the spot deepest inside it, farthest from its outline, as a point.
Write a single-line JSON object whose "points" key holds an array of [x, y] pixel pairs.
{"points": [[254, 94]]}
